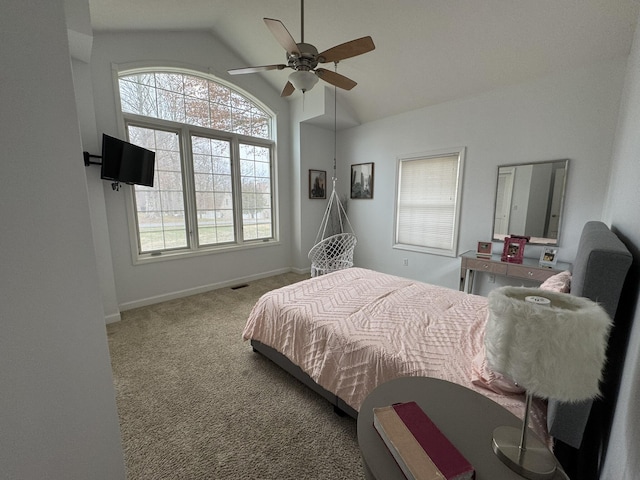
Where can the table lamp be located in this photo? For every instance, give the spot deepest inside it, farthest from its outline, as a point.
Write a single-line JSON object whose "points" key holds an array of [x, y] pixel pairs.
{"points": [[551, 344]]}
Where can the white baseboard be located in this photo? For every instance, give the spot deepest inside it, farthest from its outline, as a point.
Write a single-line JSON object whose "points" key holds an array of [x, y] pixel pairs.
{"points": [[113, 318], [300, 270], [204, 288]]}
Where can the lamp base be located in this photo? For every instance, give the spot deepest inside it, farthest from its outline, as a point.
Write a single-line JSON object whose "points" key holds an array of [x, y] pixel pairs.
{"points": [[536, 462]]}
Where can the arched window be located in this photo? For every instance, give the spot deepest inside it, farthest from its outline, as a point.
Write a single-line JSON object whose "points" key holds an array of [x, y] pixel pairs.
{"points": [[213, 184]]}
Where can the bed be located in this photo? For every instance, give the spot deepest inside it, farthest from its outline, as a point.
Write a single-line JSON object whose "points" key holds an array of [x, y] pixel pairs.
{"points": [[344, 333]]}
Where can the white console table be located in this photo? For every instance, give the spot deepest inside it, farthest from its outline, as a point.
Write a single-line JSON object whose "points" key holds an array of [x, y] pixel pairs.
{"points": [[529, 269]]}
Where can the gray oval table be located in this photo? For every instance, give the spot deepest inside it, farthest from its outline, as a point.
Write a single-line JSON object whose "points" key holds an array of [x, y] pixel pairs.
{"points": [[466, 417]]}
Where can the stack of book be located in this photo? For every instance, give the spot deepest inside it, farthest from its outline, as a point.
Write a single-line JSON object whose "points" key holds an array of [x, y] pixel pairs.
{"points": [[421, 450]]}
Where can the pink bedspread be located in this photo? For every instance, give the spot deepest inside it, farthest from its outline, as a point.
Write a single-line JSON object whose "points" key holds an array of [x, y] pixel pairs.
{"points": [[354, 329]]}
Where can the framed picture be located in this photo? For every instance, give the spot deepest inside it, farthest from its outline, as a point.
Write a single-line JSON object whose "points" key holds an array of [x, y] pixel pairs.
{"points": [[513, 251], [548, 257], [362, 180], [484, 249], [317, 184]]}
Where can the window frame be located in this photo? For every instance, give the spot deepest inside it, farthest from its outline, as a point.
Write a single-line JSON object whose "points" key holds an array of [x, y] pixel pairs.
{"points": [[186, 131], [432, 154]]}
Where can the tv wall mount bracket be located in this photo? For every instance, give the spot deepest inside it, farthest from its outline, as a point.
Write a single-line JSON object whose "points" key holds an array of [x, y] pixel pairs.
{"points": [[87, 156], [87, 161]]}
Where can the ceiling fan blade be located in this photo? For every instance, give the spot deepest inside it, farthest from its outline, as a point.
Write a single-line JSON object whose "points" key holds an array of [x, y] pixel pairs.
{"points": [[347, 50], [336, 79], [282, 35], [287, 90], [263, 68]]}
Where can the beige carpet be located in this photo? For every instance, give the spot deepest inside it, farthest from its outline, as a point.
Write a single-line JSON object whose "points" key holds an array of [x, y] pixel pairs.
{"points": [[195, 402]]}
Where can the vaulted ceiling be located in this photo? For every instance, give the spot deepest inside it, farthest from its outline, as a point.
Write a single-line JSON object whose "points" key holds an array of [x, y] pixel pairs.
{"points": [[427, 51]]}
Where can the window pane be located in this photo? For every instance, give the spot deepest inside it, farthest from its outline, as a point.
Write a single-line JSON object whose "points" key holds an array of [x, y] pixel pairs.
{"points": [[222, 183], [147, 79], [170, 106], [166, 160], [197, 112], [138, 98], [221, 117], [264, 201], [219, 94], [241, 121], [201, 163], [167, 141], [221, 166], [238, 102], [172, 82], [250, 231], [201, 145], [260, 125], [247, 167], [212, 181], [170, 180], [160, 209], [196, 87], [256, 192], [262, 169]]}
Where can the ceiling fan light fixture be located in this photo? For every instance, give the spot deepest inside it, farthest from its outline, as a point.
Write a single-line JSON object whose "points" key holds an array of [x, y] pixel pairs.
{"points": [[304, 58], [303, 80]]}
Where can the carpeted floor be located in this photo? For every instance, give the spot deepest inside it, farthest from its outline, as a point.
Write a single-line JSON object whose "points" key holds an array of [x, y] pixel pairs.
{"points": [[195, 402]]}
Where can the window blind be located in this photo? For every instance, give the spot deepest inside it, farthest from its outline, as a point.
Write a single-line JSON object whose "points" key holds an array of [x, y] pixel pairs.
{"points": [[427, 209]]}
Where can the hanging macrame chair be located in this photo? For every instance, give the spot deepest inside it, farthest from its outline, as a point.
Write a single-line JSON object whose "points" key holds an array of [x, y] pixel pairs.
{"points": [[335, 251], [334, 245]]}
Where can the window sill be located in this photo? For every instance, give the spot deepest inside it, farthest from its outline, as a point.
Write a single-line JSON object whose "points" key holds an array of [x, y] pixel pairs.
{"points": [[419, 249], [148, 258]]}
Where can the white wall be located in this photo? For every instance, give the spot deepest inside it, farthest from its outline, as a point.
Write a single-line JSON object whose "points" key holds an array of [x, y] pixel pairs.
{"points": [[570, 115], [80, 35], [622, 213], [150, 283], [58, 414], [316, 152], [313, 141], [90, 143]]}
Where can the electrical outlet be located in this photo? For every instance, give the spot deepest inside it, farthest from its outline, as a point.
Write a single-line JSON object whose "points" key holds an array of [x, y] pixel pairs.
{"points": [[405, 262], [492, 278]]}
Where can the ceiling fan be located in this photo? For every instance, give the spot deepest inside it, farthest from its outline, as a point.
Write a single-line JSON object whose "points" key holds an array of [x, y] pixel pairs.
{"points": [[304, 58]]}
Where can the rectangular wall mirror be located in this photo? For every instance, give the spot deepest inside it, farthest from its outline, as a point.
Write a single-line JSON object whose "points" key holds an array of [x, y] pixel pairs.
{"points": [[529, 201]]}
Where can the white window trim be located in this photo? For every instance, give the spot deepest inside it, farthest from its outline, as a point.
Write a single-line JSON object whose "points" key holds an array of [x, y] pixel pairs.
{"points": [[138, 258], [453, 151]]}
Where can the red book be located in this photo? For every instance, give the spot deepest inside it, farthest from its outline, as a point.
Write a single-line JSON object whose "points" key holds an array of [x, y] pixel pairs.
{"points": [[420, 448]]}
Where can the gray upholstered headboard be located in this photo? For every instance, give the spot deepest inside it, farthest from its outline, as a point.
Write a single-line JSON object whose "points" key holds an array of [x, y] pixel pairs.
{"points": [[599, 272]]}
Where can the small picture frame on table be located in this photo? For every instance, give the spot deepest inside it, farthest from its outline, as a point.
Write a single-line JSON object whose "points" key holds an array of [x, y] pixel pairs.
{"points": [[513, 251], [549, 257], [317, 184], [484, 249]]}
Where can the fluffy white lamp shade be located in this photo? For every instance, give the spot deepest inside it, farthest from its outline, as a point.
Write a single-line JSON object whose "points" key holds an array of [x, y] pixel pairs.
{"points": [[553, 345], [553, 351]]}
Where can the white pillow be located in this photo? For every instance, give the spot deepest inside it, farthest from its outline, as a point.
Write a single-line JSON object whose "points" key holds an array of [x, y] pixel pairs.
{"points": [[560, 282]]}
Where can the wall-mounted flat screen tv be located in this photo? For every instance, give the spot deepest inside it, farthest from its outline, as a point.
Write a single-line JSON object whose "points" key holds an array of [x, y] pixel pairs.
{"points": [[125, 162]]}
